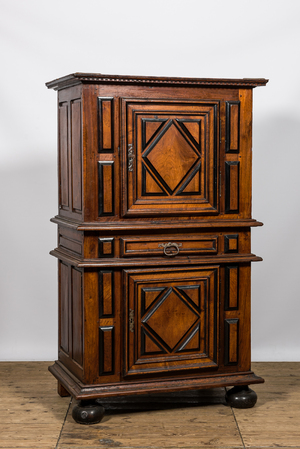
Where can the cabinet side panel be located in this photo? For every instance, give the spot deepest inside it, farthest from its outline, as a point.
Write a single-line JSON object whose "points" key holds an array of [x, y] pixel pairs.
{"points": [[90, 137], [245, 96], [244, 337], [70, 318], [76, 156], [63, 155], [91, 325], [70, 240], [70, 155], [77, 315], [64, 307]]}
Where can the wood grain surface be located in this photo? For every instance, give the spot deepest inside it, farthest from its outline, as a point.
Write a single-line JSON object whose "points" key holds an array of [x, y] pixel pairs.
{"points": [[33, 416]]}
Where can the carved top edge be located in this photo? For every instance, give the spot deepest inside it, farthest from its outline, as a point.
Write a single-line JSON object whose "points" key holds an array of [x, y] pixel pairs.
{"points": [[139, 225], [98, 78]]}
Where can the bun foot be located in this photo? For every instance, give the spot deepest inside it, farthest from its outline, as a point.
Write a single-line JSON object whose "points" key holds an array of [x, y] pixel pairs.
{"points": [[88, 412], [241, 397]]}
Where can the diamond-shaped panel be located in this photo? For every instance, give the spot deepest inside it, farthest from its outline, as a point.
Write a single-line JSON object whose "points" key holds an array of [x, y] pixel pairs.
{"points": [[172, 156], [172, 319]]}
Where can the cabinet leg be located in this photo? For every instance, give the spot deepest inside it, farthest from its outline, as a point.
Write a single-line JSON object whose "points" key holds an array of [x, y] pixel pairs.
{"points": [[241, 397], [62, 391], [88, 412]]}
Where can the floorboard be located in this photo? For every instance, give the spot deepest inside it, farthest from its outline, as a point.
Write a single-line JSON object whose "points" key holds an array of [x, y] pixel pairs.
{"points": [[33, 416]]}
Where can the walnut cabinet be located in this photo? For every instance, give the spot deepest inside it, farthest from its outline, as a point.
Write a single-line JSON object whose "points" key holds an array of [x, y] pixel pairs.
{"points": [[154, 221]]}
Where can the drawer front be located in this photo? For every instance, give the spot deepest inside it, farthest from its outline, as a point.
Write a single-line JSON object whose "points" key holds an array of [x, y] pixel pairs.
{"points": [[168, 246]]}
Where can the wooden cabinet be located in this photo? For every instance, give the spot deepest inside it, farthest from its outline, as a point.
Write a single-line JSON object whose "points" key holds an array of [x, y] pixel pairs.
{"points": [[154, 246]]}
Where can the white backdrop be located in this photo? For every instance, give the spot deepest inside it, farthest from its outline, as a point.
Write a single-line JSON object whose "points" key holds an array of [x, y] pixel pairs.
{"points": [[43, 40]]}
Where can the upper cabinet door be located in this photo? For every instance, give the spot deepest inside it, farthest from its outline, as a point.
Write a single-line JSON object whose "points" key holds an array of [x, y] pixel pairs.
{"points": [[170, 157]]}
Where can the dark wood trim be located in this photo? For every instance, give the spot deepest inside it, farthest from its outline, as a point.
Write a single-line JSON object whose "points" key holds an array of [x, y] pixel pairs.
{"points": [[155, 261], [228, 287], [151, 120], [145, 334], [82, 391], [98, 78], [102, 191], [193, 172], [103, 355], [145, 171], [229, 187], [228, 127], [154, 224], [147, 290], [229, 323], [109, 242], [101, 130], [227, 239]]}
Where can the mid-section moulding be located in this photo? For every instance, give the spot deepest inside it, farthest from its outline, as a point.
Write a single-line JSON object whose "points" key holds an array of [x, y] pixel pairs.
{"points": [[127, 225], [153, 261]]}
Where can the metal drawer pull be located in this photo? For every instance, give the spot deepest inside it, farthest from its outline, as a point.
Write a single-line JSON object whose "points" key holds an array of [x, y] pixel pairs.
{"points": [[170, 247]]}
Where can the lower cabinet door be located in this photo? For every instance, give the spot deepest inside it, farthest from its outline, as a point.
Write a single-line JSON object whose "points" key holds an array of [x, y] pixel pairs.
{"points": [[172, 319]]}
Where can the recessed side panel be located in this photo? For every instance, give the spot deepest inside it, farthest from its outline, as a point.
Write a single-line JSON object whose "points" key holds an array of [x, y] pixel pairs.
{"points": [[106, 192], [231, 287], [64, 307], [77, 316], [70, 153], [231, 341], [76, 156], [63, 155], [232, 126], [101, 354], [71, 318], [106, 293], [232, 187], [105, 125], [106, 350]]}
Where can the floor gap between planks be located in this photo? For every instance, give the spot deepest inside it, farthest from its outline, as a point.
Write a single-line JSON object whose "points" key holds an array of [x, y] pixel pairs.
{"points": [[32, 415]]}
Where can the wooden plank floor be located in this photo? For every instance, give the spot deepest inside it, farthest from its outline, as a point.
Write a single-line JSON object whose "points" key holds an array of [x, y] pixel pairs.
{"points": [[33, 416]]}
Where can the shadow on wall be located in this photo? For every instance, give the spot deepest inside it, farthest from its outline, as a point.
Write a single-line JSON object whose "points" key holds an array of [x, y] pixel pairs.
{"points": [[28, 274], [275, 292]]}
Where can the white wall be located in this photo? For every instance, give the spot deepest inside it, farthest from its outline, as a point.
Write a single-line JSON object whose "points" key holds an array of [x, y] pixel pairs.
{"points": [[43, 40]]}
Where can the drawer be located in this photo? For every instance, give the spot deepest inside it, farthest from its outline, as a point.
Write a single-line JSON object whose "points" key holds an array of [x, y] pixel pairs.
{"points": [[168, 245]]}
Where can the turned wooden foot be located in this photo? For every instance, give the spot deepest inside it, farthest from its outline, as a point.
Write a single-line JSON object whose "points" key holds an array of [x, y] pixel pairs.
{"points": [[88, 412], [241, 397]]}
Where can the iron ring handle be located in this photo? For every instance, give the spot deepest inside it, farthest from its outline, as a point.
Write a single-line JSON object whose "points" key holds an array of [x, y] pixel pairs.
{"points": [[167, 248]]}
